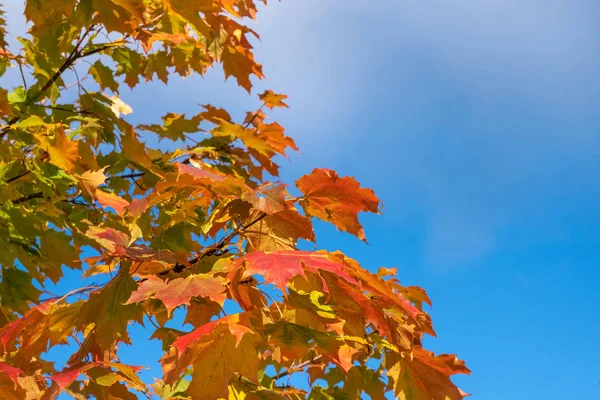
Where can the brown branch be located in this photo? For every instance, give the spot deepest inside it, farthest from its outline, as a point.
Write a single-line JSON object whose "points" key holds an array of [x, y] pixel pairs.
{"points": [[14, 178], [72, 292], [247, 124], [99, 49], [71, 58], [6, 127], [77, 203], [74, 55], [63, 109], [22, 74], [127, 176], [38, 195], [272, 301], [211, 250], [298, 367], [151, 320]]}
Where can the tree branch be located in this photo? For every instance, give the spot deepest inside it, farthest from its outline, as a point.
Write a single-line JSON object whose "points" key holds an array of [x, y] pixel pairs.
{"points": [[14, 178], [22, 74], [127, 176], [298, 367], [211, 250], [99, 49], [74, 55], [72, 292], [38, 195], [247, 124], [63, 109]]}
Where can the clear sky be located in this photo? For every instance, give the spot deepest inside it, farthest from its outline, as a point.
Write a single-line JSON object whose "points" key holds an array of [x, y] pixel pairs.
{"points": [[478, 125]]}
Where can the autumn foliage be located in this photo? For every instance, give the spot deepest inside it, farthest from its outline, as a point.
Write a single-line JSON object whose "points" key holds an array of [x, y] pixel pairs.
{"points": [[194, 223]]}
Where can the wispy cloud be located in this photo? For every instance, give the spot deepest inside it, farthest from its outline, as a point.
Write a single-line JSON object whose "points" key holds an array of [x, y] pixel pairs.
{"points": [[487, 107]]}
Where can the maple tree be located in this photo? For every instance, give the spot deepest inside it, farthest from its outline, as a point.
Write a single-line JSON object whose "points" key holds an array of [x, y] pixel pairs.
{"points": [[193, 228]]}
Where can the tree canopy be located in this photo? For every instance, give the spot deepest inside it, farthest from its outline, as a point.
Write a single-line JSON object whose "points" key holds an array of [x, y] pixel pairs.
{"points": [[186, 213]]}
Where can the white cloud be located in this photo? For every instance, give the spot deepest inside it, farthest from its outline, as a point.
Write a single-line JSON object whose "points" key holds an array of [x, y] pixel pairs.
{"points": [[486, 104]]}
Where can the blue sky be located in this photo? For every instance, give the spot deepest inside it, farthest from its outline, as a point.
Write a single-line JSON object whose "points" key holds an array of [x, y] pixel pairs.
{"points": [[477, 124]]}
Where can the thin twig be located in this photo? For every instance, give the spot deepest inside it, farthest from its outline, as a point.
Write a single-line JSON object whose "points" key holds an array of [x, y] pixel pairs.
{"points": [[14, 178], [77, 340], [133, 175], [106, 46], [151, 321], [73, 292], [38, 195], [22, 74], [272, 301], [299, 367], [58, 108], [78, 81], [247, 124], [211, 250]]}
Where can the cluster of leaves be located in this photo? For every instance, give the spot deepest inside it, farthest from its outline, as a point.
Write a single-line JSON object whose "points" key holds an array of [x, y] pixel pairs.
{"points": [[189, 229]]}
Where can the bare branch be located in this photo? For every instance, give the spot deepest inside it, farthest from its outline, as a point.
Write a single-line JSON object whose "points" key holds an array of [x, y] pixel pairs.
{"points": [[72, 293], [22, 74], [298, 367], [211, 250]]}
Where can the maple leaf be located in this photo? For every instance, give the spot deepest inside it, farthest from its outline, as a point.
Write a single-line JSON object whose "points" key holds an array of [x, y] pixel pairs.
{"points": [[63, 151], [123, 372], [198, 172], [4, 103], [380, 290], [214, 114], [119, 15], [273, 100], [136, 151], [231, 322], [255, 118], [107, 312], [3, 43], [201, 311], [90, 180], [119, 107], [270, 199], [273, 134], [248, 136], [12, 372], [216, 355], [104, 76], [174, 126], [337, 200], [10, 332], [424, 376], [16, 290], [361, 378], [279, 267], [239, 63], [111, 239], [296, 340], [179, 291], [113, 201], [280, 231]]}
